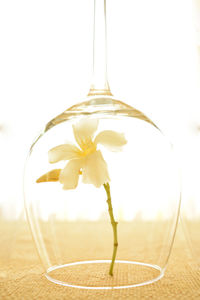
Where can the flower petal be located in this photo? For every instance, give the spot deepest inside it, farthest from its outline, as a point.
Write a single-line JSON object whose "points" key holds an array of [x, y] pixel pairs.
{"points": [[63, 152], [70, 174], [84, 131], [95, 169], [50, 176], [111, 139]]}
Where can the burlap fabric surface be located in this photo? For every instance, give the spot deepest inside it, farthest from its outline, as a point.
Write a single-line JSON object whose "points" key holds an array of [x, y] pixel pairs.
{"points": [[21, 274]]}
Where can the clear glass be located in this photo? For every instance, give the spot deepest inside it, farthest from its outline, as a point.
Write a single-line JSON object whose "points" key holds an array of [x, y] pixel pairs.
{"points": [[114, 228], [72, 229]]}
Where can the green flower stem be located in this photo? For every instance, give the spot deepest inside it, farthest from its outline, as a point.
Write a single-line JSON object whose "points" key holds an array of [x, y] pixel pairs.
{"points": [[114, 226]]}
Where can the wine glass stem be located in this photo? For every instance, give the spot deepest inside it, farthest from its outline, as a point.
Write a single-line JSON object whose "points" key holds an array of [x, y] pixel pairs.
{"points": [[99, 85]]}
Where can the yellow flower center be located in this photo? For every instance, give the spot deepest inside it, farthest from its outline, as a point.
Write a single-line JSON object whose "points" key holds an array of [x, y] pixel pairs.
{"points": [[88, 150]]}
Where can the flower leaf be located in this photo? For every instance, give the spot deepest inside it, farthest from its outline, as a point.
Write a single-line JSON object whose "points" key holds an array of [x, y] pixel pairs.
{"points": [[51, 176]]}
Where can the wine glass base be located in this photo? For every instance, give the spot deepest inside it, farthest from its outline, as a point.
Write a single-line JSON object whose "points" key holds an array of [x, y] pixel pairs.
{"points": [[94, 274]]}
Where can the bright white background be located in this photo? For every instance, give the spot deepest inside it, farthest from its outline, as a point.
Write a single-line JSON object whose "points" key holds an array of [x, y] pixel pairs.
{"points": [[46, 64]]}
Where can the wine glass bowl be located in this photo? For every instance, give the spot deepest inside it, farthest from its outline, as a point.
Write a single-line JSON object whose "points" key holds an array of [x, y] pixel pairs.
{"points": [[71, 228]]}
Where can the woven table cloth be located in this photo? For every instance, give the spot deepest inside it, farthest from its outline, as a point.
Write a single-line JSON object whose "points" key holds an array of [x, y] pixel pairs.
{"points": [[22, 276]]}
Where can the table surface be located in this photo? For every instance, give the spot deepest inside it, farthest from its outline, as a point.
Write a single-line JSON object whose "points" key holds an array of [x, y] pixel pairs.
{"points": [[21, 274]]}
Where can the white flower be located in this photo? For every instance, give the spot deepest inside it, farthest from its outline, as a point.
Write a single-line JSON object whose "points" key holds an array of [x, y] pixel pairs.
{"points": [[85, 159]]}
